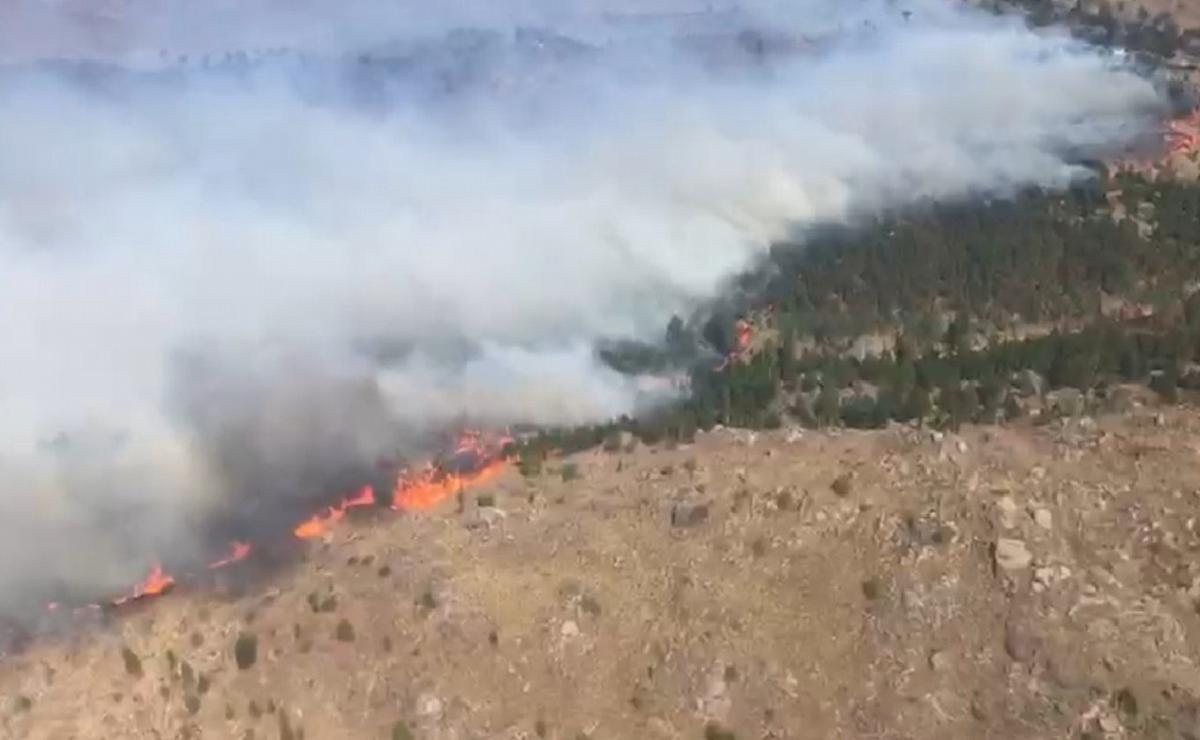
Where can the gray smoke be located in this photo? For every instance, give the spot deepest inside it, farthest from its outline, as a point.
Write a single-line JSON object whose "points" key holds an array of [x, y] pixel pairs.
{"points": [[230, 288]]}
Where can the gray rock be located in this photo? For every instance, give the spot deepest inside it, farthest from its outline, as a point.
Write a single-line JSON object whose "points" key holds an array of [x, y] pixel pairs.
{"points": [[939, 661], [1019, 642], [1030, 383], [1012, 554], [1006, 512], [1066, 402]]}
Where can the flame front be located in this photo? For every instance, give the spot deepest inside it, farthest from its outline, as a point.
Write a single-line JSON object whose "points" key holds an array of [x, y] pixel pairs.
{"points": [[319, 524], [157, 582], [238, 551], [411, 492], [429, 488]]}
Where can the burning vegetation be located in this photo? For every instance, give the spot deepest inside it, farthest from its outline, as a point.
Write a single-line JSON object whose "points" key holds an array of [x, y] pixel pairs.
{"points": [[476, 458]]}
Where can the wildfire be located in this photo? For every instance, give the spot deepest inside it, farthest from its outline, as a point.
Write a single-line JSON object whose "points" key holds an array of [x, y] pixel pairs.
{"points": [[319, 524], [238, 551], [431, 486], [427, 488], [1179, 136], [1183, 134], [480, 456], [154, 584]]}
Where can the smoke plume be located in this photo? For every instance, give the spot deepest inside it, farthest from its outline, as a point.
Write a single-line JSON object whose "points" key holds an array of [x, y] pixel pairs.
{"points": [[230, 284]]}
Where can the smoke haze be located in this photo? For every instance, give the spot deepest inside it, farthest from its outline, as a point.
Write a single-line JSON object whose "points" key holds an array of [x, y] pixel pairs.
{"points": [[228, 288]]}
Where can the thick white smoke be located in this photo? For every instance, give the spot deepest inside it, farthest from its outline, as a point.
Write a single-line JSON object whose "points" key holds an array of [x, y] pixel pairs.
{"points": [[247, 283]]}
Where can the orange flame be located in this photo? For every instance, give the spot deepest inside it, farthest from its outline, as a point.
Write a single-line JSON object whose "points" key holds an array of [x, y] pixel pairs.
{"points": [[319, 524], [418, 491], [423, 490], [430, 487], [155, 583], [238, 551]]}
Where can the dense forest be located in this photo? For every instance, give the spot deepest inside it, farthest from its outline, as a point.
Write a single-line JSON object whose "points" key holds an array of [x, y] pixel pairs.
{"points": [[983, 309]]}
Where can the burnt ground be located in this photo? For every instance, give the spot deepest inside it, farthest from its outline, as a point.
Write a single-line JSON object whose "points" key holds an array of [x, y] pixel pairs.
{"points": [[1004, 582]]}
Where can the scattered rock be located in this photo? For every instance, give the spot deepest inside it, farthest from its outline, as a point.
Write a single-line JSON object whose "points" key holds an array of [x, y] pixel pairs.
{"points": [[1030, 383], [1044, 519], [1006, 512], [1066, 402], [939, 661], [1012, 554], [429, 707], [1019, 643], [569, 629]]}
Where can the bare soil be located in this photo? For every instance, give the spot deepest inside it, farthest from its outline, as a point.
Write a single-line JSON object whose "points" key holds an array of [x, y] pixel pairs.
{"points": [[1003, 582]]}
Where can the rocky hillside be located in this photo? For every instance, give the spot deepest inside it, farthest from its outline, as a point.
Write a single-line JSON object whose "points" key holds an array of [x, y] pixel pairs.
{"points": [[1005, 582]]}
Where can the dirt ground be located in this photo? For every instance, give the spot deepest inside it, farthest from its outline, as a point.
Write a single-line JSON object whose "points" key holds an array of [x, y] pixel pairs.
{"points": [[1003, 582]]}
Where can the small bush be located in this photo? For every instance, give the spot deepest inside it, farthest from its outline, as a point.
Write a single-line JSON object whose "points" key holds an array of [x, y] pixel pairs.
{"points": [[714, 731], [485, 501], [570, 471], [133, 664], [843, 485], [590, 605], [191, 703], [400, 731], [428, 600], [872, 588], [344, 631], [245, 650]]}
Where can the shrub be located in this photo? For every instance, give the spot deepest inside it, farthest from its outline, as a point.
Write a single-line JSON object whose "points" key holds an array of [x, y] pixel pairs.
{"points": [[570, 471], [133, 664], [245, 650]]}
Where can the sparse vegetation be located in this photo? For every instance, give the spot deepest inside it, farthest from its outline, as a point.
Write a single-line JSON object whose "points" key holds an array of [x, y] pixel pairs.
{"points": [[133, 664], [245, 650], [714, 731], [843, 485], [428, 600], [400, 731], [344, 632], [570, 471]]}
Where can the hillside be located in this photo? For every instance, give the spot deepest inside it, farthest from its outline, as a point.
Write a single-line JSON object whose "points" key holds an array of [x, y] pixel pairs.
{"points": [[1006, 582]]}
